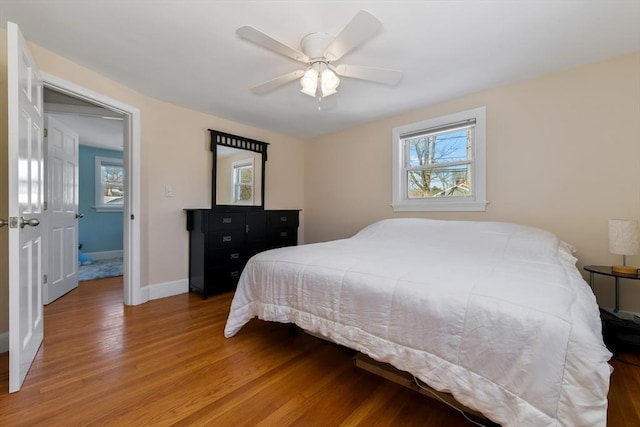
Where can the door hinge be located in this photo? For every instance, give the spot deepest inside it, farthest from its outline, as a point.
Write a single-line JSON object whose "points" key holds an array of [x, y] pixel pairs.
{"points": [[132, 217], [13, 222], [45, 205], [44, 279], [46, 132]]}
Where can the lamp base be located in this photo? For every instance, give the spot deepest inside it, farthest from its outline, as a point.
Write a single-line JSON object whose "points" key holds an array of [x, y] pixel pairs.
{"points": [[624, 269]]}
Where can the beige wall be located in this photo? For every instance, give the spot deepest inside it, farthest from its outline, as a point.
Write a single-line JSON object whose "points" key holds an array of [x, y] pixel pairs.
{"points": [[563, 153], [174, 151]]}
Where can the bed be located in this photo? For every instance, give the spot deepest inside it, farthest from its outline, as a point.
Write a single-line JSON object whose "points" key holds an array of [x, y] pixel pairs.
{"points": [[494, 313]]}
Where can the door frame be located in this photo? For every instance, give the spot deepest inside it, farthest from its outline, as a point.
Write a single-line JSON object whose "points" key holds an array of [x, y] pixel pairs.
{"points": [[132, 294]]}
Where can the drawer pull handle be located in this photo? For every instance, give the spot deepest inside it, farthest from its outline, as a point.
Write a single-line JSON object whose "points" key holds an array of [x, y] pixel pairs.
{"points": [[283, 219], [226, 220], [235, 273], [283, 234], [226, 238], [235, 255]]}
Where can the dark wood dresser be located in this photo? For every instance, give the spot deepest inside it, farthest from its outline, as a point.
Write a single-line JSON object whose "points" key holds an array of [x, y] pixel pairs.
{"points": [[222, 241]]}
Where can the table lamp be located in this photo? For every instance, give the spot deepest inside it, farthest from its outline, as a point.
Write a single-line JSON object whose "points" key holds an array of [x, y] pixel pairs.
{"points": [[623, 240]]}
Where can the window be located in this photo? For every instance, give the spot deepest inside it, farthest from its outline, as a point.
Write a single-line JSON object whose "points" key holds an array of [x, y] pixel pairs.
{"points": [[243, 182], [439, 164], [109, 184]]}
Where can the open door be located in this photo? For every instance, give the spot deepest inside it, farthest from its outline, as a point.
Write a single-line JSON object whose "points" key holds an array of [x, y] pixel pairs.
{"points": [[61, 173], [26, 193]]}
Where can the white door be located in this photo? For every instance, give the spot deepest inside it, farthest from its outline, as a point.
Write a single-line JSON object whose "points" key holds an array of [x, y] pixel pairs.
{"points": [[26, 192], [61, 172]]}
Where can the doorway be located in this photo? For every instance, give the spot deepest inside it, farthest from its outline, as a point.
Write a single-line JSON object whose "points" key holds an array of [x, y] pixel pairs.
{"points": [[98, 225], [99, 104]]}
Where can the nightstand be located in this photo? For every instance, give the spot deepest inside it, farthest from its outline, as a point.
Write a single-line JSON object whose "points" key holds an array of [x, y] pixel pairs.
{"points": [[620, 330], [606, 271]]}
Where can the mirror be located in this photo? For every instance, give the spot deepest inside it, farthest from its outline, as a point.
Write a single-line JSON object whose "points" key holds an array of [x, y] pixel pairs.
{"points": [[236, 173], [238, 170]]}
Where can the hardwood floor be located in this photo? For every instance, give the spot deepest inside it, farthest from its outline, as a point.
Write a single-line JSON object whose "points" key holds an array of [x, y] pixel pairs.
{"points": [[166, 362]]}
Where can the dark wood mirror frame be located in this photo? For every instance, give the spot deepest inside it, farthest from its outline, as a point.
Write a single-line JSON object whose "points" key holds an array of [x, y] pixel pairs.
{"points": [[241, 143]]}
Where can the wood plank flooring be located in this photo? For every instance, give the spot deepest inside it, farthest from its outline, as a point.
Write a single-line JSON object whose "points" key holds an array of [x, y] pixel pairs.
{"points": [[166, 362]]}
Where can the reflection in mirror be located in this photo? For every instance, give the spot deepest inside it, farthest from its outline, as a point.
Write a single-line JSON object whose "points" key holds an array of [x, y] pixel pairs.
{"points": [[238, 175], [238, 171]]}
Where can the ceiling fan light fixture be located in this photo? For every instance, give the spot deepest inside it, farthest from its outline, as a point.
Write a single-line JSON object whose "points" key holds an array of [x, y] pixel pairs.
{"points": [[329, 80], [309, 82], [327, 92]]}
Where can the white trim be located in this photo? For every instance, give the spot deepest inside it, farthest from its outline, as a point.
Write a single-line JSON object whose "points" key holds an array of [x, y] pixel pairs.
{"points": [[108, 208], [133, 291], [168, 289], [444, 206], [105, 254], [477, 202], [80, 110], [4, 342]]}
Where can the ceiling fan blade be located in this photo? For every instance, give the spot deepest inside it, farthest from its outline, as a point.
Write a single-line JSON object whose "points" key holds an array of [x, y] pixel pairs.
{"points": [[270, 85], [258, 37], [362, 27], [378, 75]]}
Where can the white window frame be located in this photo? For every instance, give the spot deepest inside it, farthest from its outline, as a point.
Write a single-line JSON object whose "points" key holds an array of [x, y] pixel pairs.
{"points": [[476, 201], [234, 175], [100, 206]]}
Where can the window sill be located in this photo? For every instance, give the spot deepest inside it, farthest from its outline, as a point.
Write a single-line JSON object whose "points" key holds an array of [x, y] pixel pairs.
{"points": [[109, 208], [439, 206]]}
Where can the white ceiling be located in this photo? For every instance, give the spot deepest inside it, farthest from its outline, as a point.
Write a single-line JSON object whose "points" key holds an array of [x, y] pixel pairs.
{"points": [[95, 131], [95, 126], [186, 51]]}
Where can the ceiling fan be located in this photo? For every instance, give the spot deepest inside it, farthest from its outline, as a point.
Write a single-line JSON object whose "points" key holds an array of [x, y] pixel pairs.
{"points": [[318, 51]]}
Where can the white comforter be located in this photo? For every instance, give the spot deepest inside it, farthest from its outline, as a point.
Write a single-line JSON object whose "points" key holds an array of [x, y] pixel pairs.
{"points": [[495, 313]]}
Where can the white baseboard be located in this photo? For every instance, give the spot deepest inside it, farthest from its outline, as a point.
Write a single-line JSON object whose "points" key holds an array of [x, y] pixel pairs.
{"points": [[105, 254], [167, 289], [4, 342]]}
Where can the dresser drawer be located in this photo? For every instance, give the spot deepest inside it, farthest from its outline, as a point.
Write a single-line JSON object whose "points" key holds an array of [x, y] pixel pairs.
{"points": [[283, 219], [224, 279], [283, 236], [226, 220], [226, 239], [226, 257]]}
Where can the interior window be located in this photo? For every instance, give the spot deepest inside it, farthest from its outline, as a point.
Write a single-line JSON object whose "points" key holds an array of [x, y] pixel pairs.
{"points": [[439, 164], [109, 180]]}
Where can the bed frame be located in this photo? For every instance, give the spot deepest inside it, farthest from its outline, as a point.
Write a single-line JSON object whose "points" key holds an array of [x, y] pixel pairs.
{"points": [[405, 379]]}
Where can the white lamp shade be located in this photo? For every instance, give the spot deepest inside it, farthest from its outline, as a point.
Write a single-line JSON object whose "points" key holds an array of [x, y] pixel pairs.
{"points": [[309, 82], [328, 92], [623, 236], [330, 81]]}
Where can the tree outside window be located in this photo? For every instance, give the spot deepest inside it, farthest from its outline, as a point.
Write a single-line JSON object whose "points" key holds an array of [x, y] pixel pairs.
{"points": [[439, 164]]}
